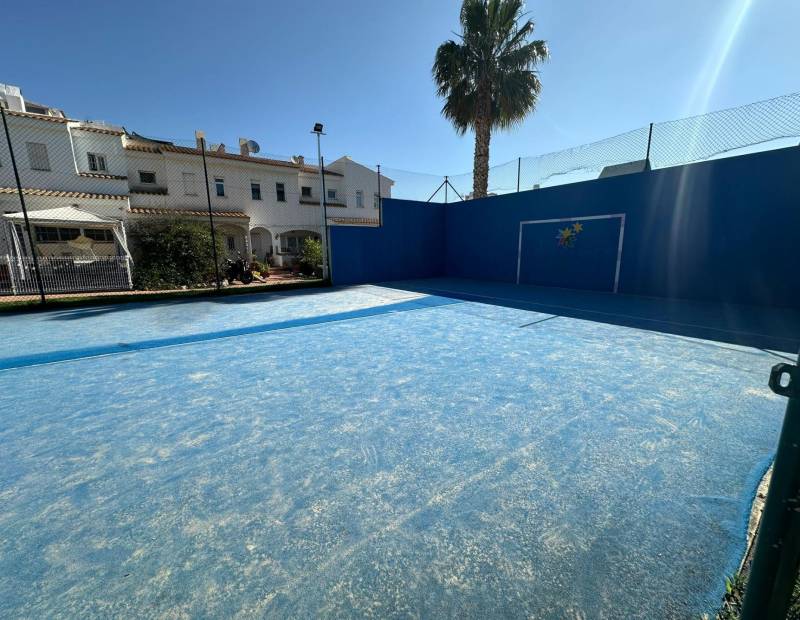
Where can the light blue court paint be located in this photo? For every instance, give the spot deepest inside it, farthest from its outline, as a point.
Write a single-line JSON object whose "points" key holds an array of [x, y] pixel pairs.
{"points": [[371, 452]]}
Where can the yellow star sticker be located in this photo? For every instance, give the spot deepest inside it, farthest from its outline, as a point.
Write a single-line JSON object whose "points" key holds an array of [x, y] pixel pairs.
{"points": [[577, 227]]}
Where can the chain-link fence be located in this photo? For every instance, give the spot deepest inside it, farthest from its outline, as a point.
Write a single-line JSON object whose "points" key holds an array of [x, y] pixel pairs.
{"points": [[774, 123], [87, 207]]}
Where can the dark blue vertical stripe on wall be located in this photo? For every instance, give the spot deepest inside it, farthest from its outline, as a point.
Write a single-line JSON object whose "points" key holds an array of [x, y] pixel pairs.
{"points": [[723, 230], [410, 244]]}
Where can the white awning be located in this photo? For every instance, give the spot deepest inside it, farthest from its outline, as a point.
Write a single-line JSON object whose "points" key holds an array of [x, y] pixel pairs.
{"points": [[64, 215]]}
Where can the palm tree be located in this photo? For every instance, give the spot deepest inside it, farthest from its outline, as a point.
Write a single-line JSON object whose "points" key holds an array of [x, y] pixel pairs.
{"points": [[488, 79]]}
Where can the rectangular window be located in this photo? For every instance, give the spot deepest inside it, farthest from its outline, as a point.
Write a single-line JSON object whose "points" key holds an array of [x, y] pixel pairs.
{"points": [[103, 235], [359, 199], [376, 201], [47, 234], [147, 178], [255, 190], [305, 192], [331, 194], [37, 156], [231, 243], [280, 192], [97, 162], [189, 184], [219, 184]]}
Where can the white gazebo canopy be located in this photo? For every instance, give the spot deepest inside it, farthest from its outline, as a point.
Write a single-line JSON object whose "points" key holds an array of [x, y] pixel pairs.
{"points": [[63, 215], [69, 215]]}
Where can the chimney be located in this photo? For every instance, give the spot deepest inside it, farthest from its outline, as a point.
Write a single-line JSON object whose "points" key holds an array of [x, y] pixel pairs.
{"points": [[243, 150], [199, 136]]}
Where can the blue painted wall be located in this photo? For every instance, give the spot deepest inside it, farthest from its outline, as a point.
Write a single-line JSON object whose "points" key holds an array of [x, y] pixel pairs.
{"points": [[409, 245], [725, 230]]}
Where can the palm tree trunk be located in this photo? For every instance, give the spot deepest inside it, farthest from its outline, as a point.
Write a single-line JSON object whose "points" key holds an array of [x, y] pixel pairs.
{"points": [[483, 135]]}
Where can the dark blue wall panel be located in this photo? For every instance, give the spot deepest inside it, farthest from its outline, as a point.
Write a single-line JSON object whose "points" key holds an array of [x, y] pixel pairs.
{"points": [[580, 254], [724, 230], [409, 245]]}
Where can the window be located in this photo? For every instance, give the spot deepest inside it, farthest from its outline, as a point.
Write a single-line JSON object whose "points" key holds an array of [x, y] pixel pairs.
{"points": [[331, 194], [103, 235], [359, 199], [280, 192], [231, 241], [147, 178], [37, 156], [97, 162], [255, 190], [47, 234], [376, 201], [305, 192], [189, 184], [219, 184]]}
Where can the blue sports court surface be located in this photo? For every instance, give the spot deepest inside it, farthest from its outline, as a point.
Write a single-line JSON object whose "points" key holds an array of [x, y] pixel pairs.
{"points": [[428, 449]]}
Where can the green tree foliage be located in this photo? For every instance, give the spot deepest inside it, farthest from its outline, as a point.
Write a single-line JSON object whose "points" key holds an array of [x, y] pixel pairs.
{"points": [[170, 253], [488, 78], [311, 255]]}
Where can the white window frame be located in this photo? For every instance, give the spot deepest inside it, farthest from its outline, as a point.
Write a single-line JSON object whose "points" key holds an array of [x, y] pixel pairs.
{"points": [[280, 192], [97, 162], [258, 185], [331, 193], [219, 181], [359, 199], [38, 158]]}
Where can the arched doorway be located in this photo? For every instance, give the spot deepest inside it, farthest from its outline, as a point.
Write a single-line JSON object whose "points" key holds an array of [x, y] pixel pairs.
{"points": [[261, 243]]}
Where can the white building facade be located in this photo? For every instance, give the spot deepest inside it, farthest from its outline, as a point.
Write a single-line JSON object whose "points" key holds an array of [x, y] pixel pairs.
{"points": [[102, 180]]}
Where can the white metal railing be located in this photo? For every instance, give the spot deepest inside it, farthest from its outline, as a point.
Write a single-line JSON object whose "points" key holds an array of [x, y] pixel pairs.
{"points": [[65, 274]]}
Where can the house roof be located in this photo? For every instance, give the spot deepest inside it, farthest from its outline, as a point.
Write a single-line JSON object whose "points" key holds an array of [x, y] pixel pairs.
{"points": [[100, 175], [41, 117], [73, 215], [159, 147], [103, 130], [185, 212], [57, 193], [358, 221]]}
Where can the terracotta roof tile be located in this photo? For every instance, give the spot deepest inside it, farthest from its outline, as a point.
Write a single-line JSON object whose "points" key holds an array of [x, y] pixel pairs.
{"points": [[101, 175], [184, 212], [55, 193], [103, 130], [360, 221], [40, 117], [186, 150], [159, 191]]}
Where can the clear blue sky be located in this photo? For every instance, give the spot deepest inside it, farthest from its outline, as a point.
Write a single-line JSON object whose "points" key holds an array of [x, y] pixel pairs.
{"points": [[269, 70]]}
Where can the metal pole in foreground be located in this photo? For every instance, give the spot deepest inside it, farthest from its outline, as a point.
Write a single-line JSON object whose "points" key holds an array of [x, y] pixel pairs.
{"points": [[326, 247], [519, 165], [446, 183], [649, 142], [380, 199], [36, 270], [318, 130], [777, 554], [202, 137]]}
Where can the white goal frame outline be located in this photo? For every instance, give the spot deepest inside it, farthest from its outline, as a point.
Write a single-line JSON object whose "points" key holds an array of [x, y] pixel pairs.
{"points": [[608, 216]]}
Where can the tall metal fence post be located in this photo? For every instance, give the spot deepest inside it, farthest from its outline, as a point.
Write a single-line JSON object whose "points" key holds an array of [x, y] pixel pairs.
{"points": [[326, 256], [777, 554], [446, 183], [380, 199], [202, 144], [37, 272], [519, 165], [649, 142]]}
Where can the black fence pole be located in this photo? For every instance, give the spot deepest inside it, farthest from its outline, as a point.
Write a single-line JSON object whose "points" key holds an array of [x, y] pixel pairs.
{"points": [[649, 142], [37, 273], [519, 165], [325, 220], [201, 137], [777, 554], [380, 199], [446, 183]]}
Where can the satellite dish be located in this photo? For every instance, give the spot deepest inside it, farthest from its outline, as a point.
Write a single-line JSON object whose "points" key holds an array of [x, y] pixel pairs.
{"points": [[252, 146]]}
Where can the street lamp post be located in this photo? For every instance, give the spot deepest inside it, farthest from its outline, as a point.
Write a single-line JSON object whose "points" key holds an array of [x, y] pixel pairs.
{"points": [[324, 236]]}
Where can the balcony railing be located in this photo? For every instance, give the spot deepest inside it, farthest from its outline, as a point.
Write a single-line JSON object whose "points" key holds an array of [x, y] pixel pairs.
{"points": [[64, 274]]}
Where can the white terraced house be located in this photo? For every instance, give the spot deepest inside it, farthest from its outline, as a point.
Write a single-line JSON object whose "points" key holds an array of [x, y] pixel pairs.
{"points": [[85, 181]]}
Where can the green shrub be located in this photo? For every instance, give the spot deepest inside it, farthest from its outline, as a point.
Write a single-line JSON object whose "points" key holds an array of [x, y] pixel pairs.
{"points": [[172, 252], [310, 256], [260, 267]]}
